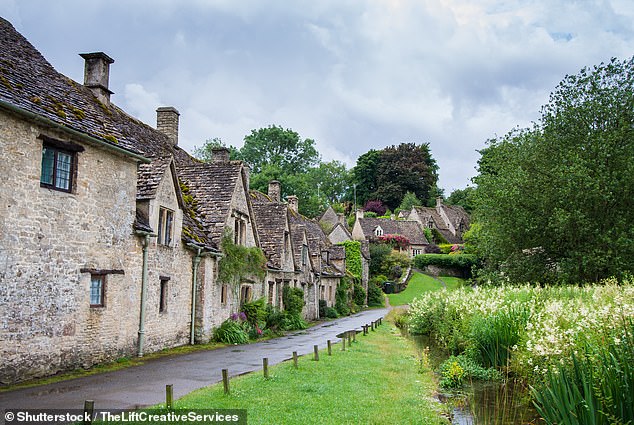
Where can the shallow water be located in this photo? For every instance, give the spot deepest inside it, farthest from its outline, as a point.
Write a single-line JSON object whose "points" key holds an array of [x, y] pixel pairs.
{"points": [[483, 402]]}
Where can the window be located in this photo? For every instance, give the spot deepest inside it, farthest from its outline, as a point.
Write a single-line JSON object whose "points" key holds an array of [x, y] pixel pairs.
{"points": [[240, 232], [223, 294], [245, 294], [163, 295], [416, 252], [165, 225], [57, 168], [304, 255], [378, 231], [97, 290]]}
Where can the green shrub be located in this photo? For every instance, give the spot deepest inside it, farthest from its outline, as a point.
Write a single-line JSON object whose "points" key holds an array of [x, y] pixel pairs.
{"points": [[445, 248], [331, 313], [462, 261], [375, 294], [255, 311], [358, 294], [342, 303], [451, 374], [451, 377], [293, 322], [293, 299], [231, 332], [493, 336]]}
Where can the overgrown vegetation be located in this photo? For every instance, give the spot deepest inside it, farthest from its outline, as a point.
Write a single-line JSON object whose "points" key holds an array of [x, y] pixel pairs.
{"points": [[570, 343]]}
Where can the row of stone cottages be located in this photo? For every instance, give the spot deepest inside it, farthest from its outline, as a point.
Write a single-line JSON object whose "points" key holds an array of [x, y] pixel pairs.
{"points": [[110, 232]]}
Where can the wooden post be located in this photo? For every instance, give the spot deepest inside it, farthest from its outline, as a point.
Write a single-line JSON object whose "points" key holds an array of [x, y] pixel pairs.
{"points": [[343, 343], [265, 365], [169, 396], [225, 380], [349, 333], [89, 409], [354, 335], [365, 330], [329, 348], [316, 350], [295, 359], [371, 325]]}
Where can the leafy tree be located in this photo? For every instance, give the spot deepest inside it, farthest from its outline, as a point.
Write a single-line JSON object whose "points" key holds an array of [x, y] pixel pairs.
{"points": [[204, 153], [554, 200], [376, 207], [409, 200], [365, 175], [405, 168], [332, 181], [462, 197], [277, 146]]}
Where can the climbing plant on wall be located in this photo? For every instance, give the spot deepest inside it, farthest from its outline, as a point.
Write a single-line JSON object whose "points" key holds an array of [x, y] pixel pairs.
{"points": [[353, 258], [239, 262]]}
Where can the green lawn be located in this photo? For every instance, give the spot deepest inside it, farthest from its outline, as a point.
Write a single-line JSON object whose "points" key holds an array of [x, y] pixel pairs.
{"points": [[376, 381], [420, 283]]}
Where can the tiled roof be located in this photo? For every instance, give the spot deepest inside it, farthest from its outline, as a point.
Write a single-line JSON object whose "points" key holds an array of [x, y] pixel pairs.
{"points": [[270, 221], [213, 186], [412, 230]]}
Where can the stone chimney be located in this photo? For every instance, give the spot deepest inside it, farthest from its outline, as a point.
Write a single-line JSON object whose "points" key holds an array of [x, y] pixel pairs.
{"points": [[293, 202], [359, 213], [275, 190], [97, 73], [167, 123], [220, 155], [438, 204]]}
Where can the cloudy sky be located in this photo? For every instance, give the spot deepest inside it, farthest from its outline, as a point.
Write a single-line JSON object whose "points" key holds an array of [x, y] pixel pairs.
{"points": [[353, 75]]}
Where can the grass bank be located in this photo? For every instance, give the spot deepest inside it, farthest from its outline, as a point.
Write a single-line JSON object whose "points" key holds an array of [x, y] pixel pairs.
{"points": [[420, 284], [376, 381]]}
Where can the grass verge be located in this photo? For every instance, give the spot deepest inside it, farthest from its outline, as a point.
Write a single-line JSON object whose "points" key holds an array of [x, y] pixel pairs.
{"points": [[376, 381], [421, 283]]}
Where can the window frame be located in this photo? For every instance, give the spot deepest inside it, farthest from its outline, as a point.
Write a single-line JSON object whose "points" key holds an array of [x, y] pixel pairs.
{"points": [[163, 292], [101, 277], [55, 168], [165, 233]]}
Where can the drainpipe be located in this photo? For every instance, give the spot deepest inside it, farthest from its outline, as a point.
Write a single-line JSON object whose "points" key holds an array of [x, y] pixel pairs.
{"points": [[146, 244], [195, 263]]}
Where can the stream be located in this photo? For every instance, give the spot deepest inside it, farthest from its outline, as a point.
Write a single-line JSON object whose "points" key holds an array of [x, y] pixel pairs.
{"points": [[481, 402]]}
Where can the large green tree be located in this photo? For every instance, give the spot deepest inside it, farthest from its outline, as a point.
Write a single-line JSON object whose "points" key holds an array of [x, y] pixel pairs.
{"points": [[281, 147], [555, 201], [365, 175]]}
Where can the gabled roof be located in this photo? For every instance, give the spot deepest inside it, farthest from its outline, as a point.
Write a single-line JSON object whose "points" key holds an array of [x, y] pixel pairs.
{"points": [[454, 213], [271, 223], [412, 230], [212, 184]]}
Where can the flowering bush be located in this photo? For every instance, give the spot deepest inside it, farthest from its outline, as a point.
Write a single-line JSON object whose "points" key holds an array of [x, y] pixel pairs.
{"points": [[395, 241]]}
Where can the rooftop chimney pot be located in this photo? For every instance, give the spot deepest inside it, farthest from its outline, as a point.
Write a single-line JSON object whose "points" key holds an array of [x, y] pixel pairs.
{"points": [[293, 202], [97, 73]]}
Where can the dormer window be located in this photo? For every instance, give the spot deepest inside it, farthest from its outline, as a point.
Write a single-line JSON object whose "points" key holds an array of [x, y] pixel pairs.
{"points": [[430, 223], [378, 231], [165, 226], [240, 231]]}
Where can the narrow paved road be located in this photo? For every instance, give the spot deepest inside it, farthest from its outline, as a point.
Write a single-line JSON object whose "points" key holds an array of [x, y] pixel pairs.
{"points": [[144, 385]]}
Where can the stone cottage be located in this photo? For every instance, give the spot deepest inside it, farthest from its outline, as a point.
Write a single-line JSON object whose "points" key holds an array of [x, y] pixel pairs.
{"points": [[371, 229], [451, 221]]}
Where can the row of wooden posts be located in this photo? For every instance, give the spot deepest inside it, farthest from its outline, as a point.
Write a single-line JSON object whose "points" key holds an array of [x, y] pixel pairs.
{"points": [[351, 336]]}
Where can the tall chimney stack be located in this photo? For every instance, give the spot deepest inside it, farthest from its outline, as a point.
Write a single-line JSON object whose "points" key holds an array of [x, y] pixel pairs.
{"points": [[293, 202], [97, 74], [167, 123], [275, 190]]}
